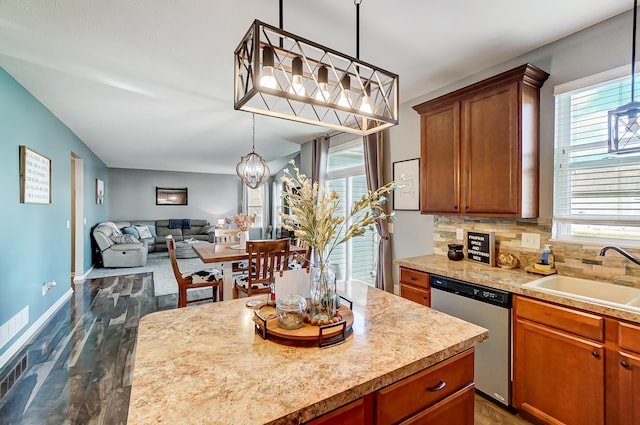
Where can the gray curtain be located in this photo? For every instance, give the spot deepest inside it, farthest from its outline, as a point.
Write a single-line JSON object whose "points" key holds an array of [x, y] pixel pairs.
{"points": [[373, 162], [319, 159]]}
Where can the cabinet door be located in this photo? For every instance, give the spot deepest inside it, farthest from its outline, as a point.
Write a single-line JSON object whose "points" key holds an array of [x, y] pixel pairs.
{"points": [[440, 160], [491, 174], [414, 293], [456, 409], [629, 388], [356, 412], [558, 376]]}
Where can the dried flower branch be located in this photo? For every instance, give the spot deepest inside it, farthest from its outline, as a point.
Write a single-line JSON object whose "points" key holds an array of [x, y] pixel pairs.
{"points": [[243, 221], [312, 213]]}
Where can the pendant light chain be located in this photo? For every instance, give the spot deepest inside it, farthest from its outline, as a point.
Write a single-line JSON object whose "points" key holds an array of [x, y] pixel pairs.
{"points": [[253, 145], [633, 49], [357, 3]]}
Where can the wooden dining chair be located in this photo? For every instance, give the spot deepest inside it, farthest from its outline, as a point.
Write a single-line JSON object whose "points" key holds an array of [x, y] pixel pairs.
{"points": [[267, 257], [209, 278]]}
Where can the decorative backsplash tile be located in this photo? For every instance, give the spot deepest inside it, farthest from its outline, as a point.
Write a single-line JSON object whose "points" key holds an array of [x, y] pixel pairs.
{"points": [[573, 259]]}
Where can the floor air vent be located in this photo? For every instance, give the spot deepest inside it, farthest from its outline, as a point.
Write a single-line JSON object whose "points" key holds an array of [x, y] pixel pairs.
{"points": [[12, 377]]}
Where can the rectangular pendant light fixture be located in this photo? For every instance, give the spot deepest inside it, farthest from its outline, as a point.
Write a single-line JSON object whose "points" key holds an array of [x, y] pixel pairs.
{"points": [[285, 76]]}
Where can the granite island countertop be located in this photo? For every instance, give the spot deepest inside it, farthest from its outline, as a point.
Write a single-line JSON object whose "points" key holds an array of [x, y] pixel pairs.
{"points": [[507, 280], [205, 364]]}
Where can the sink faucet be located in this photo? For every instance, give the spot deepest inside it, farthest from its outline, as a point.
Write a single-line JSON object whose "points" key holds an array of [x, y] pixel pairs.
{"points": [[621, 251]]}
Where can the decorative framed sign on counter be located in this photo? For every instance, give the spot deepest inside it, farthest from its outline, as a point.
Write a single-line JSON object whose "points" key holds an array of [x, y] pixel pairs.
{"points": [[171, 196], [35, 177], [481, 247], [406, 174]]}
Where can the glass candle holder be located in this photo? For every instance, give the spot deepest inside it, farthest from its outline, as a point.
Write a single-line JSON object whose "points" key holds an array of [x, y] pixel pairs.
{"points": [[291, 311]]}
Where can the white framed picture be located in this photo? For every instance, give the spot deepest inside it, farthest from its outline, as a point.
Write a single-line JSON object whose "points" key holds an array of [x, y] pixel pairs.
{"points": [[99, 191], [35, 177], [406, 174]]}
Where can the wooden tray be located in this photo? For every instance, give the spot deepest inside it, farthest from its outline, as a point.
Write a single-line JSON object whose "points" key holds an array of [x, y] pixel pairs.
{"points": [[307, 332], [542, 272]]}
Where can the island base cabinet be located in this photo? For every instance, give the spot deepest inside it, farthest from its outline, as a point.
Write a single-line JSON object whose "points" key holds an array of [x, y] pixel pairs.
{"points": [[356, 412], [441, 394], [427, 394], [457, 409]]}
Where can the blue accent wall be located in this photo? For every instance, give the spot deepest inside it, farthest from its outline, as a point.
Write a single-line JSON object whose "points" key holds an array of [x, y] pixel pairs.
{"points": [[35, 246]]}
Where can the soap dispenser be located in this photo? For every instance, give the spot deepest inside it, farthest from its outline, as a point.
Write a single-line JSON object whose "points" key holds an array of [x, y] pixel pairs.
{"points": [[547, 256]]}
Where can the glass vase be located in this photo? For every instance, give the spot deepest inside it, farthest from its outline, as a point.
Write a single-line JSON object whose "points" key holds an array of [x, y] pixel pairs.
{"points": [[323, 293]]}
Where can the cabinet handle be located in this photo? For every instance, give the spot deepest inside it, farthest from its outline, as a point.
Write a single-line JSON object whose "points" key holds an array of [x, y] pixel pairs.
{"points": [[595, 354], [455, 207], [412, 278], [466, 207], [438, 387], [624, 364]]}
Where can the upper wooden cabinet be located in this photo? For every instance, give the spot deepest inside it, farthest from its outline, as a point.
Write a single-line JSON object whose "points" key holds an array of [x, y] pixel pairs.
{"points": [[479, 147]]}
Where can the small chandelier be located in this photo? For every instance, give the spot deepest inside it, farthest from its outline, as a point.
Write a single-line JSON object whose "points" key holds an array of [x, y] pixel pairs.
{"points": [[624, 121], [252, 168], [286, 76]]}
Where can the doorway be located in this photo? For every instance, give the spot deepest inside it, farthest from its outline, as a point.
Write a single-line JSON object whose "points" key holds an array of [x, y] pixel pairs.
{"points": [[77, 218]]}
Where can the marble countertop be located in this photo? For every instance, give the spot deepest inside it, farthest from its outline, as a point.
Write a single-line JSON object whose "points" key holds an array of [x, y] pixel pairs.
{"points": [[508, 280], [205, 364]]}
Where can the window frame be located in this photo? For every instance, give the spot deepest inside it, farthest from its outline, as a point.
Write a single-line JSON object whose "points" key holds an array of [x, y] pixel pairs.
{"points": [[564, 220]]}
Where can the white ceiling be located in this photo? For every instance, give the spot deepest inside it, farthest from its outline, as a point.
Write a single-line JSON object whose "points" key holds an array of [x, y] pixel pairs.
{"points": [[148, 84]]}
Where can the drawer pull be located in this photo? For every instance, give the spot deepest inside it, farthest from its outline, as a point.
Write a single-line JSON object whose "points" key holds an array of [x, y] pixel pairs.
{"points": [[438, 387], [624, 364], [595, 354], [412, 278]]}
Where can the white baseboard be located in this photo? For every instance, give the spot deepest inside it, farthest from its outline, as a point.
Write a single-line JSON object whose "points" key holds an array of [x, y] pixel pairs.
{"points": [[33, 330], [80, 278]]}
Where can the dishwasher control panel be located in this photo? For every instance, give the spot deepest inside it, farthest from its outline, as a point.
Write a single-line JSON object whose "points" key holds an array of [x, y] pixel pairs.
{"points": [[472, 290]]}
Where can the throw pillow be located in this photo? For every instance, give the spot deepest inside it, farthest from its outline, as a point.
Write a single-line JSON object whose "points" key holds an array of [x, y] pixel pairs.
{"points": [[208, 229], [152, 229], [131, 231], [143, 231], [124, 239]]}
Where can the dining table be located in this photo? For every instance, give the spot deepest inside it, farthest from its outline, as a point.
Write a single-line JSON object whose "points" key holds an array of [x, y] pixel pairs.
{"points": [[226, 253]]}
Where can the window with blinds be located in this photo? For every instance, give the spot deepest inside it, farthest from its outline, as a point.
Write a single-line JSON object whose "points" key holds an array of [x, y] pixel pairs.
{"points": [[596, 194]]}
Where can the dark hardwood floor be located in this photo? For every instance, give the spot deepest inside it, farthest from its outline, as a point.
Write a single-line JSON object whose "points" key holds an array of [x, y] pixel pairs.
{"points": [[78, 370]]}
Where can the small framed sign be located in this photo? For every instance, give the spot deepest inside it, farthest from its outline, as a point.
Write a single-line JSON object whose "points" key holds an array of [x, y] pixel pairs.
{"points": [[481, 247], [35, 177]]}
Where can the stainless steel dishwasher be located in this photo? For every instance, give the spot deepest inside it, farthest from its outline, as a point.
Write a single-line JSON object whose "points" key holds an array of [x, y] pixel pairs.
{"points": [[491, 309]]}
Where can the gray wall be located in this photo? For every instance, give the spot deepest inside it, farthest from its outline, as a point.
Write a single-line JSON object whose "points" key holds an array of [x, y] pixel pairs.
{"points": [[601, 47], [131, 195]]}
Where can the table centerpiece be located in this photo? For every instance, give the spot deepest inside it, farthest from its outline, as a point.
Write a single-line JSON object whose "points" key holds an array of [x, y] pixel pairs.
{"points": [[313, 219]]}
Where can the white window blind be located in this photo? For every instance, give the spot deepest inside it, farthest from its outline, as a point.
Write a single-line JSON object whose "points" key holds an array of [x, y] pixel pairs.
{"points": [[596, 194]]}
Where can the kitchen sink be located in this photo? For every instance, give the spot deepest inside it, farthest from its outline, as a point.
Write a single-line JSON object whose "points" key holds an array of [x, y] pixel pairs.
{"points": [[599, 292]]}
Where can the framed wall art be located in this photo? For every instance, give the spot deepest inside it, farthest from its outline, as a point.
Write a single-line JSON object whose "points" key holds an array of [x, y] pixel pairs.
{"points": [[171, 196], [99, 191], [35, 177], [406, 174]]}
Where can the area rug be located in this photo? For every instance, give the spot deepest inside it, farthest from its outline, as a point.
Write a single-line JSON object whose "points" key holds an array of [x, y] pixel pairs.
{"points": [[158, 263]]}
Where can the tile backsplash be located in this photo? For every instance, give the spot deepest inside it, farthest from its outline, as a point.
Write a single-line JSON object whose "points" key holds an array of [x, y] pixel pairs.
{"points": [[573, 259]]}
